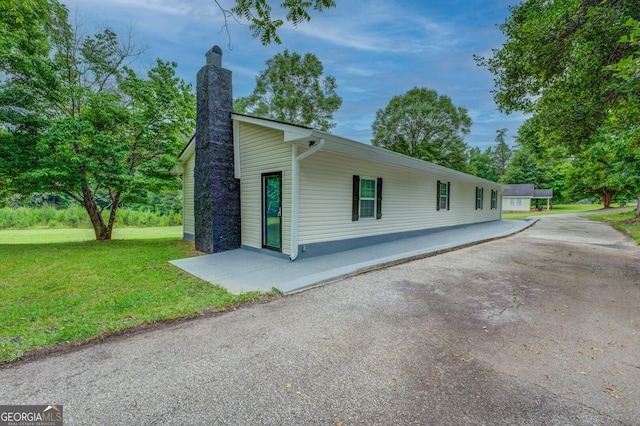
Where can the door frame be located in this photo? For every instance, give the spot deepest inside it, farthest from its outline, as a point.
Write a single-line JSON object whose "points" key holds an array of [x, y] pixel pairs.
{"points": [[263, 213]]}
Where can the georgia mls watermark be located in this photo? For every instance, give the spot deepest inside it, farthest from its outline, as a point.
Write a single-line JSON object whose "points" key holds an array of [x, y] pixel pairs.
{"points": [[30, 415]]}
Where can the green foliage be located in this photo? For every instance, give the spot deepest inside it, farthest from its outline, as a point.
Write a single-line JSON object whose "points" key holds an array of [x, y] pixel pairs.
{"points": [[554, 64], [501, 153], [78, 121], [533, 162], [482, 163], [262, 23], [291, 90], [74, 294], [76, 217], [424, 125]]}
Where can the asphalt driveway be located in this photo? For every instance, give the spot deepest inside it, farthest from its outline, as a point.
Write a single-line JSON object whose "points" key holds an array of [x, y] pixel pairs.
{"points": [[539, 328]]}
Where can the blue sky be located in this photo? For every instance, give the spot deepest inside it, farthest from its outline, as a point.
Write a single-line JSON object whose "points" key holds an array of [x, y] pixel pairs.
{"points": [[375, 51]]}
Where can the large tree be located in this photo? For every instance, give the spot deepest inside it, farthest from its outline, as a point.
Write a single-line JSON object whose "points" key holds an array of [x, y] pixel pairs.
{"points": [[424, 125], [79, 121], [627, 74], [556, 63], [292, 89]]}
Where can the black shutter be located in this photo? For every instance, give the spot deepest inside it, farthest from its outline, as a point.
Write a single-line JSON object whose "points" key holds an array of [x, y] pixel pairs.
{"points": [[438, 196], [356, 198], [379, 198], [477, 196], [448, 194], [482, 198]]}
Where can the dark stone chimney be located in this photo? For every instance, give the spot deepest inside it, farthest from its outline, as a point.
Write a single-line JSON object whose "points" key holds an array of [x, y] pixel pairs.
{"points": [[216, 190]]}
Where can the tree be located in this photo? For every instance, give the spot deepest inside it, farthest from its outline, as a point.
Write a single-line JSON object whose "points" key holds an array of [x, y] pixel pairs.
{"points": [[627, 73], [501, 154], [557, 64], [291, 89], [554, 64], [261, 21], [482, 163], [424, 125], [532, 162], [80, 122]]}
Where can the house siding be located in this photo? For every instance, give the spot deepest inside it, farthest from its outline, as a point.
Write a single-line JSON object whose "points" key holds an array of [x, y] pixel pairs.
{"points": [[263, 150], [524, 207], [408, 200], [188, 222]]}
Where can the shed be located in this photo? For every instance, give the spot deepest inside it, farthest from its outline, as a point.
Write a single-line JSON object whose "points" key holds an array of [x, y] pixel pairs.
{"points": [[518, 197]]}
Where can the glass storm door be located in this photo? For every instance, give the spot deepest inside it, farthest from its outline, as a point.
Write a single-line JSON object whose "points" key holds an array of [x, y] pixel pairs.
{"points": [[272, 211]]}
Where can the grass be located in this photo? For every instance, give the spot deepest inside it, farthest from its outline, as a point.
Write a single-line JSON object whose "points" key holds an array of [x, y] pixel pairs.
{"points": [[45, 236], [621, 220], [557, 209], [69, 293]]}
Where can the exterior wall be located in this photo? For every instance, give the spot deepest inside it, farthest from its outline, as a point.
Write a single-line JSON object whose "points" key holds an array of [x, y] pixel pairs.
{"points": [[188, 227], [525, 204], [408, 200], [263, 150]]}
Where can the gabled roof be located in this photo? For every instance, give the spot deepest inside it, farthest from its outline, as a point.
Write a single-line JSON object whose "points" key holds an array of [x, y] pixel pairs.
{"points": [[303, 136], [519, 190], [526, 190]]}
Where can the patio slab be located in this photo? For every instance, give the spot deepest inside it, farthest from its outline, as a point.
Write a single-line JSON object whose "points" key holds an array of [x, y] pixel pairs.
{"points": [[245, 270]]}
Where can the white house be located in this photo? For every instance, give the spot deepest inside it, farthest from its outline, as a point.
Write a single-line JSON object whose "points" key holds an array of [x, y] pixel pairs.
{"points": [[304, 192], [518, 197]]}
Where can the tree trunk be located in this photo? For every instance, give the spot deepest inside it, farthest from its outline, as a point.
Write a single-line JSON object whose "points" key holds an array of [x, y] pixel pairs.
{"points": [[102, 231], [607, 198]]}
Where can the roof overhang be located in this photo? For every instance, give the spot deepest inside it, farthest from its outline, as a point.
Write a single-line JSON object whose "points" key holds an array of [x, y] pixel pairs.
{"points": [[303, 136], [186, 153]]}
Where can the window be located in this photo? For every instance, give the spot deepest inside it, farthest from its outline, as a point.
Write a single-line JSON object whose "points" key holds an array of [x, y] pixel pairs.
{"points": [[367, 198], [494, 199], [479, 198], [443, 191], [515, 202]]}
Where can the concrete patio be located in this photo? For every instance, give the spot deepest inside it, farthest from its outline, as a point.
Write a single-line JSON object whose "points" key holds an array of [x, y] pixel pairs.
{"points": [[245, 270]]}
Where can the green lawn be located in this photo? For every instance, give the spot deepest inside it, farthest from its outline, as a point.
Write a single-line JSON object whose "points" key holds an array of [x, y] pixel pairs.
{"points": [[619, 219], [45, 235], [560, 208], [76, 291]]}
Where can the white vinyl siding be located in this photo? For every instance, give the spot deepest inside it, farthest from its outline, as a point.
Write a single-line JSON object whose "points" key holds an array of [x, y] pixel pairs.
{"points": [[188, 222], [263, 150], [408, 199], [516, 204]]}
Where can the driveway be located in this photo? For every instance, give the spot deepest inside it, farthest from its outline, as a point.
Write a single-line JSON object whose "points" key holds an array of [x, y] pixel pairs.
{"points": [[538, 328]]}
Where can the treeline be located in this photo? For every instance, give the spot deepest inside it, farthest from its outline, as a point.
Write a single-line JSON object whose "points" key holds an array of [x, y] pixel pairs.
{"points": [[76, 217]]}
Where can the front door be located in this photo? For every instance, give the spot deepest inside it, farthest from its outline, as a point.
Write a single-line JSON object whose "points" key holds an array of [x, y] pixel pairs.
{"points": [[272, 211]]}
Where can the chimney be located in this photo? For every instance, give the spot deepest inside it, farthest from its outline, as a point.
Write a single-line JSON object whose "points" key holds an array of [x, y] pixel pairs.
{"points": [[216, 190]]}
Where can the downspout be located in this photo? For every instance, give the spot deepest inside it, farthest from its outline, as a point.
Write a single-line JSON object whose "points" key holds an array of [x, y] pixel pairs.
{"points": [[295, 192]]}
